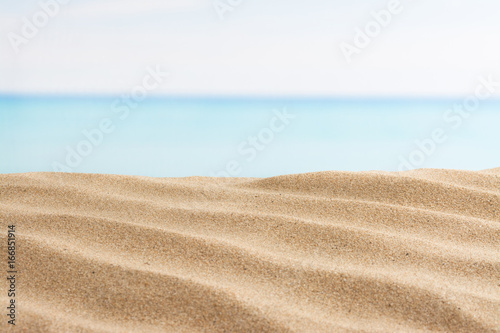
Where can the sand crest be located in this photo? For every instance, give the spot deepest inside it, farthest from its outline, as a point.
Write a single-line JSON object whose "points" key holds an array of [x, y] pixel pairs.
{"points": [[318, 252]]}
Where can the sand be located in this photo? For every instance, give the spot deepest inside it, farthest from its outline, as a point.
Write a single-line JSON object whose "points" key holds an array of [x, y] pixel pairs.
{"points": [[320, 252]]}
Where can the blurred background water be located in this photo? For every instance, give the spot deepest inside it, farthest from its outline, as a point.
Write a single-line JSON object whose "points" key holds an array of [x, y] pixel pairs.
{"points": [[175, 137]]}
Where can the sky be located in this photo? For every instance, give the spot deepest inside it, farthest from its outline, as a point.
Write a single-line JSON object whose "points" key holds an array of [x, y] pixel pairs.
{"points": [[257, 48]]}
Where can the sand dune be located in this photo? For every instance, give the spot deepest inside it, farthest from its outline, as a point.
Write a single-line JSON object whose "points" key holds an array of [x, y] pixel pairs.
{"points": [[319, 252]]}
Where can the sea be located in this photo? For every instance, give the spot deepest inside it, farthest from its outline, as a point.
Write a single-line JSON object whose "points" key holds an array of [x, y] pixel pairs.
{"points": [[244, 136]]}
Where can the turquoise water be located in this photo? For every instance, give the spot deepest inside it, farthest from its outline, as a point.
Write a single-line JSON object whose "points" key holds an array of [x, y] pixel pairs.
{"points": [[171, 137]]}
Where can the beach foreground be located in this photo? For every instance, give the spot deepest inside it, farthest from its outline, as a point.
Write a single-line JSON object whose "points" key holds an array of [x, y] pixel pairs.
{"points": [[318, 252]]}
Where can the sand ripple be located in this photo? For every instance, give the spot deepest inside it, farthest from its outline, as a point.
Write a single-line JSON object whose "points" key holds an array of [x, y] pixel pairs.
{"points": [[320, 252]]}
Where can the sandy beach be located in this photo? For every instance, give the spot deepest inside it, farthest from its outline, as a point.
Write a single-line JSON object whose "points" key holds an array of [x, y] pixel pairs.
{"points": [[319, 252]]}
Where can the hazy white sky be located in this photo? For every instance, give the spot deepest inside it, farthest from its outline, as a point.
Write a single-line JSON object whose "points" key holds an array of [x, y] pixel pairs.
{"points": [[432, 47]]}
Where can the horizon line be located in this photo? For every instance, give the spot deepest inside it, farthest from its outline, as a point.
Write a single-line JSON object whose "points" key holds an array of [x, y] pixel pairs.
{"points": [[243, 97]]}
